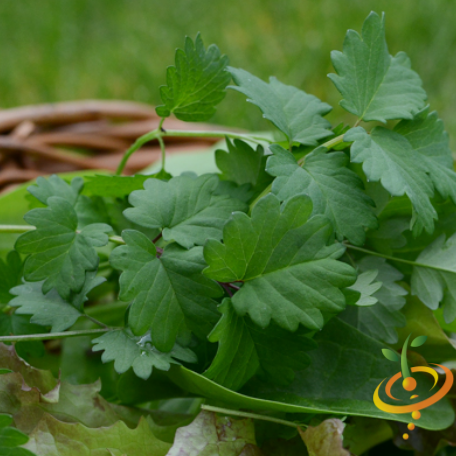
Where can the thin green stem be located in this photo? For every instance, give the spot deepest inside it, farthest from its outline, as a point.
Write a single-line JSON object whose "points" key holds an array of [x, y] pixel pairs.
{"points": [[97, 322], [254, 416], [52, 336], [18, 229], [117, 240], [216, 134], [163, 152], [15, 228], [134, 147], [162, 143], [334, 142], [159, 133], [399, 260]]}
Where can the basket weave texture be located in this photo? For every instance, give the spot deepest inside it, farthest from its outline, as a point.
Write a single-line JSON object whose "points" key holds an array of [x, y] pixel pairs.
{"points": [[91, 134]]}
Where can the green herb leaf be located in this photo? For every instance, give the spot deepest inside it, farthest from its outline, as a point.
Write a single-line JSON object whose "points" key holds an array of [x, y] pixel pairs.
{"points": [[365, 288], [418, 341], [433, 286], [185, 208], [212, 434], [127, 350], [59, 254], [388, 157], [167, 292], [334, 190], [290, 274], [346, 368], [243, 165], [113, 186], [426, 133], [56, 186], [375, 85], [11, 274], [245, 348], [325, 439], [390, 354], [49, 309], [196, 84], [298, 115], [12, 439]]}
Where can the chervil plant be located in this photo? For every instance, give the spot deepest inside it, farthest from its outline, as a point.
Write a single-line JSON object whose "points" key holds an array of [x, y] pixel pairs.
{"points": [[266, 291]]}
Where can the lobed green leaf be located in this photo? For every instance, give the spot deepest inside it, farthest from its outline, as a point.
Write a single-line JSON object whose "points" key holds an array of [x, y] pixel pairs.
{"points": [[335, 191], [49, 309], [290, 274], [196, 84], [298, 115], [375, 85], [186, 209], [243, 165], [167, 292], [437, 286], [388, 157], [127, 350]]}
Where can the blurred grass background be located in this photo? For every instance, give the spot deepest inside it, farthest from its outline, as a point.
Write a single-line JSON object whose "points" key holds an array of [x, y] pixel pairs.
{"points": [[73, 49]]}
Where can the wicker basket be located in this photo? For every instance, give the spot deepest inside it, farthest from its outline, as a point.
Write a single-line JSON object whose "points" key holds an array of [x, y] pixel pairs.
{"points": [[93, 134]]}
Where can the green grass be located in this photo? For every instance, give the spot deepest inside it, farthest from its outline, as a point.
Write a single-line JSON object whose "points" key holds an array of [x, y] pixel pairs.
{"points": [[73, 49]]}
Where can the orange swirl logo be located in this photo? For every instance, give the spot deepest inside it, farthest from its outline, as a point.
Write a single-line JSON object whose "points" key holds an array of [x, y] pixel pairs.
{"points": [[409, 384]]}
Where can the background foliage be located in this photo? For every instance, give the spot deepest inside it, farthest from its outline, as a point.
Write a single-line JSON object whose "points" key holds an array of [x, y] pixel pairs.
{"points": [[52, 49]]}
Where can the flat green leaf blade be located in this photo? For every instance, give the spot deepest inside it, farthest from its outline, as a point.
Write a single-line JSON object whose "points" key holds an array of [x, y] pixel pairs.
{"points": [[437, 286], [59, 254], [290, 275], [375, 85], [187, 209], [196, 84], [113, 186], [335, 191], [380, 320], [346, 369], [211, 434], [389, 158], [298, 115], [49, 309], [244, 348], [46, 309], [127, 350], [54, 185], [243, 165], [166, 292], [427, 135]]}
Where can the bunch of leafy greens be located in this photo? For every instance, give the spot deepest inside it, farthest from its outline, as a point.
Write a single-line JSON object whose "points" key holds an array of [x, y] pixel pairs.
{"points": [[268, 289]]}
